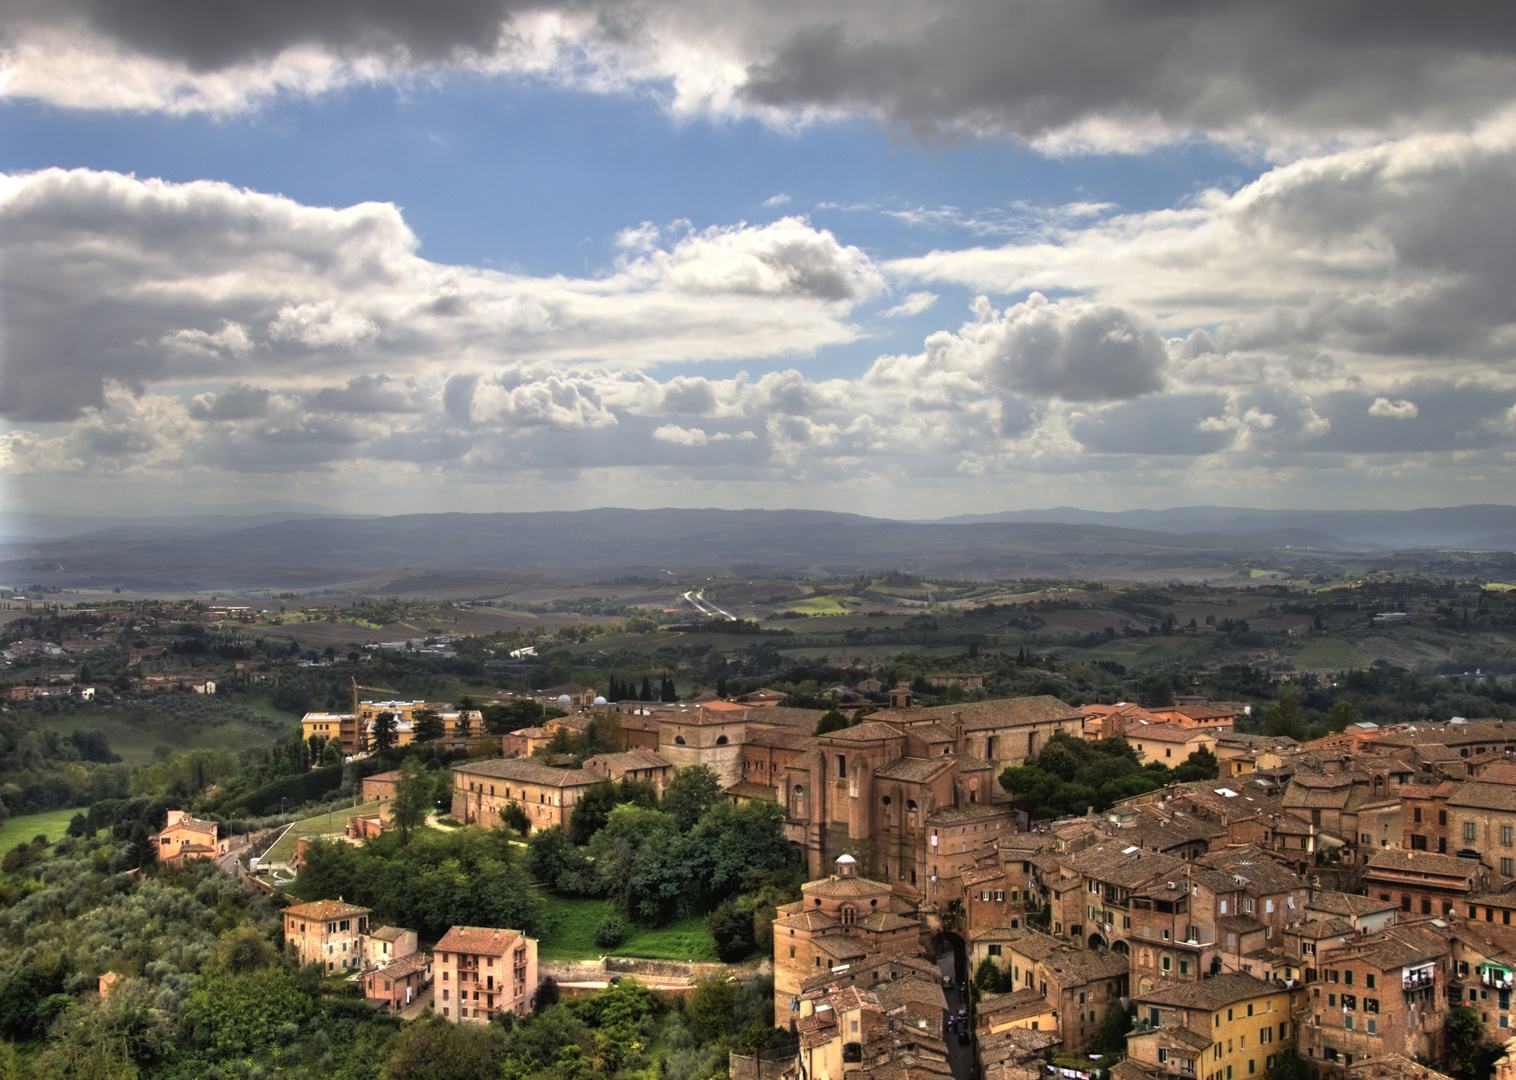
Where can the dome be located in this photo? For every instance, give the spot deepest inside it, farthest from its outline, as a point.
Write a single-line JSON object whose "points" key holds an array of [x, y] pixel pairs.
{"points": [[564, 699], [600, 701]]}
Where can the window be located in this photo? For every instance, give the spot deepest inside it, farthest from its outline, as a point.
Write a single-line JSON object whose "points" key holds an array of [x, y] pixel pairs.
{"points": [[1506, 867], [1368, 980], [1347, 1022], [1373, 1026], [1470, 833], [1442, 817], [1507, 835], [841, 765], [1416, 815], [1347, 978]]}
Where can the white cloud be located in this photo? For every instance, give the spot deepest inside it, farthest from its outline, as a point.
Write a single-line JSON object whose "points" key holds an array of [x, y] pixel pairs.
{"points": [[914, 304], [1398, 410], [111, 277], [777, 200]]}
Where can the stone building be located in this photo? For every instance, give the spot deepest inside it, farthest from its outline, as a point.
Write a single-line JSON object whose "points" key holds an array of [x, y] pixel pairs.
{"points": [[1423, 882], [482, 971]]}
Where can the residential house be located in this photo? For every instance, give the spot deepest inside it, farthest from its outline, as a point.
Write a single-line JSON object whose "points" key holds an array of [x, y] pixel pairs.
{"points": [[1379, 994], [482, 971], [1423, 881], [1231, 1027], [185, 837], [328, 932]]}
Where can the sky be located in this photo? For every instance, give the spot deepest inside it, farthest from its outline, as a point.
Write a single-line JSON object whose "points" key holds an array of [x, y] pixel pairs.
{"points": [[895, 258]]}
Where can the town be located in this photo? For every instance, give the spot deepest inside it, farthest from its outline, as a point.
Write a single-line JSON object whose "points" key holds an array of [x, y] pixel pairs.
{"points": [[988, 860]]}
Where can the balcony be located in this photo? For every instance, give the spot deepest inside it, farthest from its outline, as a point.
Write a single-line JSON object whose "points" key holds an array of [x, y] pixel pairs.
{"points": [[1420, 980]]}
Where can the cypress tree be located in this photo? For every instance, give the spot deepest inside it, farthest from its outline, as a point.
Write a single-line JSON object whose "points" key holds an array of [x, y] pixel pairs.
{"points": [[647, 689]]}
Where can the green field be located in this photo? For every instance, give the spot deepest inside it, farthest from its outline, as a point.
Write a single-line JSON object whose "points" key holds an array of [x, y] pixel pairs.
{"points": [[1140, 650], [331, 824], [816, 605], [573, 936], [1329, 654], [20, 830]]}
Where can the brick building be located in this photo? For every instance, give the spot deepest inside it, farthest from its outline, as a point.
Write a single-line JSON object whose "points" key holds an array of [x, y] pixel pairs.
{"points": [[483, 971], [1379, 994], [1423, 882], [839, 920]]}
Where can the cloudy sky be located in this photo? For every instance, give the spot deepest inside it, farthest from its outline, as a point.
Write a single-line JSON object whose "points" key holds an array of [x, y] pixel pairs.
{"points": [[907, 259]]}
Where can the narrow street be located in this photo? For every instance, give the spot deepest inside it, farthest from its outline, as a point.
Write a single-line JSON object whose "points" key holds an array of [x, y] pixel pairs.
{"points": [[960, 1056]]}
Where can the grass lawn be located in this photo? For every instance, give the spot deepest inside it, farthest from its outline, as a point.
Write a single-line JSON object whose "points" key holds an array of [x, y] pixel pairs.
{"points": [[20, 830], [331, 824], [573, 936]]}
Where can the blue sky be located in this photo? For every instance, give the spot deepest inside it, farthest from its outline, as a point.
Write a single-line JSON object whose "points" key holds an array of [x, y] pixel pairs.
{"points": [[909, 260]]}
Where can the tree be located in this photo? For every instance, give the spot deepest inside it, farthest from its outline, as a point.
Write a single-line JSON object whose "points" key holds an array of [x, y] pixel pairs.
{"points": [[721, 687], [546, 995], [693, 790], [712, 1006], [1342, 715], [987, 976], [1470, 1054], [413, 799], [1289, 1065], [1110, 1037], [731, 926], [465, 726], [243, 950], [1200, 765], [332, 753], [1285, 716], [647, 689], [512, 816], [317, 744], [426, 725], [831, 720], [433, 1049], [384, 731]]}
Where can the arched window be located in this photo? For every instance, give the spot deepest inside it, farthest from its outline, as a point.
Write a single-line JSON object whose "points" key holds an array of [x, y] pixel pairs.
{"points": [[910, 804], [848, 915], [885, 800], [678, 740], [720, 740]]}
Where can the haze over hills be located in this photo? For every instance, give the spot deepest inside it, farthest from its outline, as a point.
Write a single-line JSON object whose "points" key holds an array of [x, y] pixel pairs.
{"points": [[309, 552], [1484, 527]]}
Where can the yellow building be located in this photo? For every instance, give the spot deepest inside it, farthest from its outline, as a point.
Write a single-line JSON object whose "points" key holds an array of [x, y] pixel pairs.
{"points": [[1230, 1027]]}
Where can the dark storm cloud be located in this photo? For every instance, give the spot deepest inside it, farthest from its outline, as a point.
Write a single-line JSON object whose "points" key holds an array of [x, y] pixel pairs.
{"points": [[1030, 68], [213, 36]]}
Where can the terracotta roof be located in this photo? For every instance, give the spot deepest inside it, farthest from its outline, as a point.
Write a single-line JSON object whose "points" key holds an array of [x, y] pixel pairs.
{"points": [[868, 731], [1426, 862], [324, 910], [916, 770], [528, 772], [978, 811], [193, 825], [388, 933], [842, 948], [750, 789], [1341, 903], [406, 965], [778, 738], [1167, 733], [479, 941], [1484, 796], [810, 919], [627, 760], [1396, 946], [1006, 712], [1209, 994], [1501, 772], [844, 887]]}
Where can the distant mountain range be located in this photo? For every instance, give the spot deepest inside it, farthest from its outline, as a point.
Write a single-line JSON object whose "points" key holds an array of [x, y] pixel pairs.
{"points": [[1482, 527], [301, 552]]}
